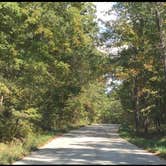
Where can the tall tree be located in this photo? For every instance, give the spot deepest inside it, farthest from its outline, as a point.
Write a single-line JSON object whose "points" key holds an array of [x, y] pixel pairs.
{"points": [[138, 32]]}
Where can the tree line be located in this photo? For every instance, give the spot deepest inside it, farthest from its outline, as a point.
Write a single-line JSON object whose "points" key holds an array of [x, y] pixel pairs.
{"points": [[47, 55], [53, 76], [139, 32]]}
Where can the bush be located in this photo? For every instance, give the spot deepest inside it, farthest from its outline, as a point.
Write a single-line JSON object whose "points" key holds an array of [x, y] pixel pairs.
{"points": [[16, 149], [13, 127], [17, 124]]}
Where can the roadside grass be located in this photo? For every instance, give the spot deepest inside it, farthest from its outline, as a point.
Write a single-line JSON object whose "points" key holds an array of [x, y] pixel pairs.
{"points": [[17, 149], [152, 142]]}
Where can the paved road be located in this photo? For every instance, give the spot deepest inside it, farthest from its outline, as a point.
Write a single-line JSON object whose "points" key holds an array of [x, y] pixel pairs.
{"points": [[95, 144]]}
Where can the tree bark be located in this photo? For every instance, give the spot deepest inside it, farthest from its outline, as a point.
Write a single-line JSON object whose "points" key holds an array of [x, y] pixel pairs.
{"points": [[146, 122], [136, 105], [162, 35], [1, 103]]}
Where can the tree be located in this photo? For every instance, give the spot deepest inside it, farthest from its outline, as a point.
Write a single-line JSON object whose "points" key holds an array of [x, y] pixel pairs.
{"points": [[137, 33], [48, 53]]}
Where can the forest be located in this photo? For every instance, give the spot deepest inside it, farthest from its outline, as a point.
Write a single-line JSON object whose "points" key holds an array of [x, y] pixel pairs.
{"points": [[53, 76]]}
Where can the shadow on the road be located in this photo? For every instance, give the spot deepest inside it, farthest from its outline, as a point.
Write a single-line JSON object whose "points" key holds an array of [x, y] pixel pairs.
{"points": [[98, 131], [104, 147], [88, 156]]}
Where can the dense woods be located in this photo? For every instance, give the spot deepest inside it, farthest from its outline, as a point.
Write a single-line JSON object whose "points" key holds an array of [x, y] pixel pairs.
{"points": [[53, 76], [47, 55], [139, 32]]}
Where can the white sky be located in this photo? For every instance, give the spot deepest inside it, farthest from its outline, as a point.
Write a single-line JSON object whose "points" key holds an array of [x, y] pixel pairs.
{"points": [[101, 7]]}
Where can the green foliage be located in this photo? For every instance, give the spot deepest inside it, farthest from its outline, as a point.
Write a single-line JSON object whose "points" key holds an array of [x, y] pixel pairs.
{"points": [[93, 105], [4, 89], [17, 149], [48, 54], [114, 112], [139, 33], [153, 142]]}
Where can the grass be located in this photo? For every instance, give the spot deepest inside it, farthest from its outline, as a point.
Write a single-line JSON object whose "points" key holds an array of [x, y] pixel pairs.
{"points": [[152, 142], [17, 149]]}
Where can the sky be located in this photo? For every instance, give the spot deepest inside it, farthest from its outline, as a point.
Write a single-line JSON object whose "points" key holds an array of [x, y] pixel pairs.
{"points": [[101, 8]]}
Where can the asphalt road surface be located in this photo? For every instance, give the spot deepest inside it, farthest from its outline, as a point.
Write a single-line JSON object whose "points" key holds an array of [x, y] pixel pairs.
{"points": [[96, 144]]}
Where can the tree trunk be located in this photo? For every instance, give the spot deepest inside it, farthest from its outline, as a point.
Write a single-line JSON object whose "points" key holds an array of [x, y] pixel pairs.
{"points": [[158, 125], [1, 103], [137, 115], [159, 23], [159, 11], [136, 105], [146, 122], [15, 129]]}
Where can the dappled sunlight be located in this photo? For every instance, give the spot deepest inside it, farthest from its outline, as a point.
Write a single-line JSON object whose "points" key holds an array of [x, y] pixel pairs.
{"points": [[65, 66], [96, 144]]}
